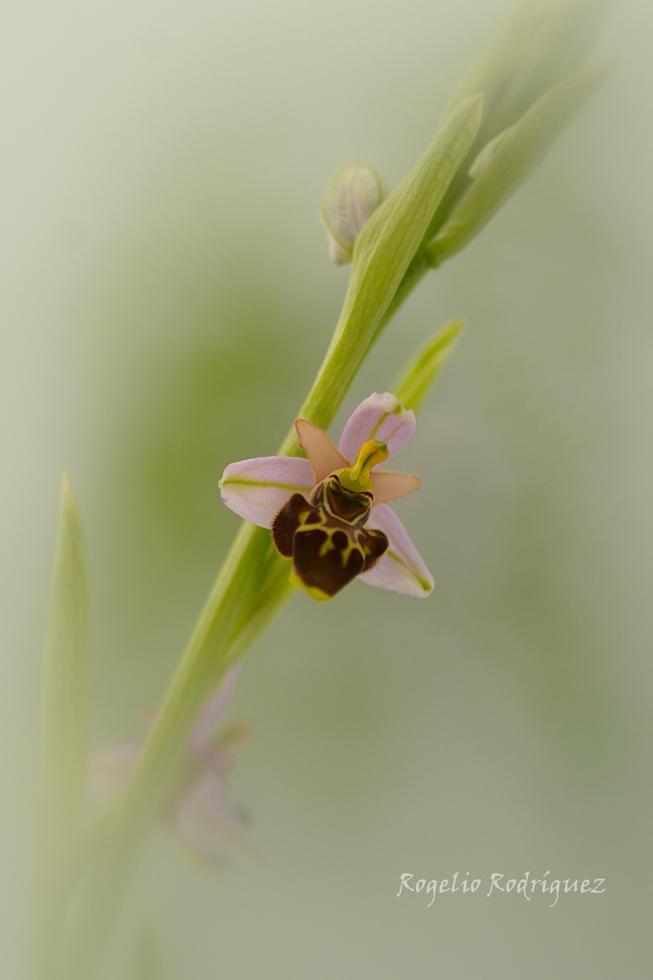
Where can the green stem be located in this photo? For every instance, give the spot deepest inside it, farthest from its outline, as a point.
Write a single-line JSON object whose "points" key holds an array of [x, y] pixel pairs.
{"points": [[253, 564], [251, 587]]}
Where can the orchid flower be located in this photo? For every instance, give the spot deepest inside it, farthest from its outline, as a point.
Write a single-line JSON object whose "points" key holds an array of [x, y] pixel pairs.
{"points": [[199, 809], [329, 512]]}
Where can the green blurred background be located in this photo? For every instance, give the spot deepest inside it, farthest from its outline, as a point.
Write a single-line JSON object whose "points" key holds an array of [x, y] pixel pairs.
{"points": [[166, 299]]}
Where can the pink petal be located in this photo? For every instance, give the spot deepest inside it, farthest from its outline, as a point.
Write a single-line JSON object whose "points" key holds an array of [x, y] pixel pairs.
{"points": [[256, 489], [211, 714], [387, 485], [317, 445], [382, 417], [206, 820], [401, 569]]}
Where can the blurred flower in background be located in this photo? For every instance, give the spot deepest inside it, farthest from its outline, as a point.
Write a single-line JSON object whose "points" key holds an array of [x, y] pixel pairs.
{"points": [[198, 809]]}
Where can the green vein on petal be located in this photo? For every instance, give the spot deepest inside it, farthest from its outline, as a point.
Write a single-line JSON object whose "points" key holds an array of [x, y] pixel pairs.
{"points": [[422, 582], [240, 481]]}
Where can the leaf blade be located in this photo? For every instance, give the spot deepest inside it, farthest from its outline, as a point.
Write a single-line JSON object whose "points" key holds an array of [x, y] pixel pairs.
{"points": [[390, 239], [64, 730], [517, 154], [388, 244], [413, 384]]}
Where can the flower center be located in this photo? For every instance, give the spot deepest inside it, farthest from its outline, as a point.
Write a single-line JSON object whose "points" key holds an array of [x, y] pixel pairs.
{"points": [[357, 478]]}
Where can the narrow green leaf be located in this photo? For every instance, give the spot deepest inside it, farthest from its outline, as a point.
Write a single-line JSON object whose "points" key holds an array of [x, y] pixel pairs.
{"points": [[500, 62], [388, 242], [382, 254], [64, 732], [556, 43], [413, 385], [513, 158], [531, 52], [146, 956]]}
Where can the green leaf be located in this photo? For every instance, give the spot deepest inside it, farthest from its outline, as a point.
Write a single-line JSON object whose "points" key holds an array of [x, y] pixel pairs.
{"points": [[500, 62], [532, 51], [413, 385], [64, 732], [382, 254], [146, 964], [388, 242], [512, 159]]}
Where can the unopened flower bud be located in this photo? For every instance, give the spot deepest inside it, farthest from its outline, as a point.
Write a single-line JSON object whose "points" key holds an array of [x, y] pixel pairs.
{"points": [[352, 196], [486, 156]]}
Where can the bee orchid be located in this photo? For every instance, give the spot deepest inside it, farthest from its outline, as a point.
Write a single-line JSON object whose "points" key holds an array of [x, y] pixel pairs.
{"points": [[329, 512]]}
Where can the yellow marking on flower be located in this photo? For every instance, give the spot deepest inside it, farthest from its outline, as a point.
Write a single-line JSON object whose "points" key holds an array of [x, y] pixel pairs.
{"points": [[312, 590], [328, 545], [315, 526], [353, 544], [357, 478]]}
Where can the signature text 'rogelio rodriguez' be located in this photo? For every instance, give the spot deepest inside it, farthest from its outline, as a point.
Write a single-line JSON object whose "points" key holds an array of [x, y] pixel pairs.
{"points": [[497, 884]]}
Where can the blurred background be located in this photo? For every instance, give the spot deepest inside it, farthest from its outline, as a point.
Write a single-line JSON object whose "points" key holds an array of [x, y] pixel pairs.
{"points": [[166, 300]]}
